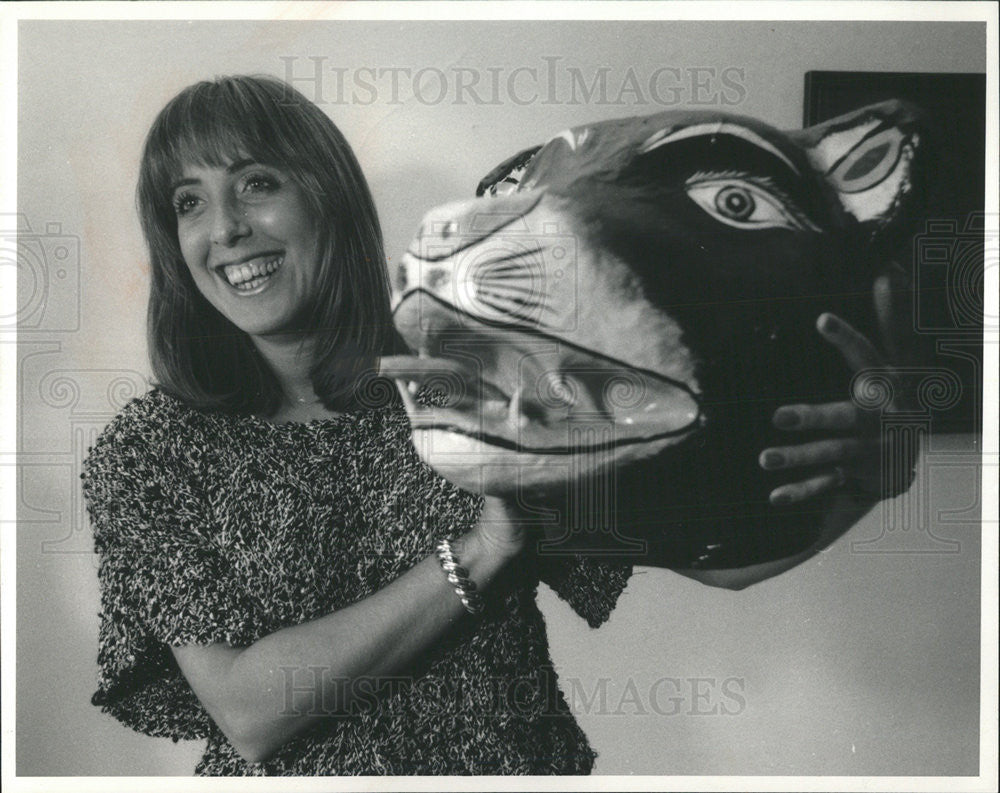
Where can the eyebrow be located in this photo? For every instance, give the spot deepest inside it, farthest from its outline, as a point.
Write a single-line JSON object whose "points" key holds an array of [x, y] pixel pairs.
{"points": [[230, 169], [716, 128]]}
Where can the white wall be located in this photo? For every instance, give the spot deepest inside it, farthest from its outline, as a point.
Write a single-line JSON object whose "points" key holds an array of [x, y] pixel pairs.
{"points": [[851, 664]]}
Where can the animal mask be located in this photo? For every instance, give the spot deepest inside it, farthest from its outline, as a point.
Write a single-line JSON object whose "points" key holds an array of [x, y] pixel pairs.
{"points": [[609, 328]]}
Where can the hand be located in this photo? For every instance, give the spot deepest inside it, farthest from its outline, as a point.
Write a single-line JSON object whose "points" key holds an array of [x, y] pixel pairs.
{"points": [[859, 458], [501, 528]]}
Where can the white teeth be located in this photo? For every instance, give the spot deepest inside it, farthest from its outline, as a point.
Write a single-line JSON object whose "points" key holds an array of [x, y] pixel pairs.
{"points": [[495, 409], [252, 284], [252, 274], [515, 418]]}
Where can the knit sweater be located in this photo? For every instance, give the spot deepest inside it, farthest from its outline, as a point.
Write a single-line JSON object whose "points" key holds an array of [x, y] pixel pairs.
{"points": [[213, 527]]}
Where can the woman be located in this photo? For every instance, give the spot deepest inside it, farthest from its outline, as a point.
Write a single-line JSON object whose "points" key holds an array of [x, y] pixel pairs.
{"points": [[267, 536]]}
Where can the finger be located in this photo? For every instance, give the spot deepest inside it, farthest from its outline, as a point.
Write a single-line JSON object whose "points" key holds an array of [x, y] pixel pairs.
{"points": [[840, 450], [410, 365], [826, 416], [854, 346], [884, 298], [810, 488], [407, 396]]}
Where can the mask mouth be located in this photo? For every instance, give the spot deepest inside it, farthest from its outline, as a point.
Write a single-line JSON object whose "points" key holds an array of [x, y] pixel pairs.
{"points": [[522, 390]]}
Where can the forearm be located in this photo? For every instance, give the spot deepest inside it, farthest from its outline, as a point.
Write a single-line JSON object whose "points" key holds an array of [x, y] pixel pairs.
{"points": [[264, 694]]}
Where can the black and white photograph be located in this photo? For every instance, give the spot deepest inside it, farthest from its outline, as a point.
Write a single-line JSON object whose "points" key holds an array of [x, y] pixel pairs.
{"points": [[488, 395]]}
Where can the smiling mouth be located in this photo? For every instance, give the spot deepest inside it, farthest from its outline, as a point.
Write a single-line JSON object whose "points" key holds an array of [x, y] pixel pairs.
{"points": [[517, 389], [249, 275]]}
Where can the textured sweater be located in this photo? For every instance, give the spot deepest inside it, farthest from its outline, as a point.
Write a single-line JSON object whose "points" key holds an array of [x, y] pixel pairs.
{"points": [[212, 527]]}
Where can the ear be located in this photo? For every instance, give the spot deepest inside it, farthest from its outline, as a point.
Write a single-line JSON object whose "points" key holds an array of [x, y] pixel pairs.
{"points": [[869, 159], [507, 175]]}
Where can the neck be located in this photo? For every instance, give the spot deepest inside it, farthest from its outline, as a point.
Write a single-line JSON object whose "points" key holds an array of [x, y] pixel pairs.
{"points": [[290, 356]]}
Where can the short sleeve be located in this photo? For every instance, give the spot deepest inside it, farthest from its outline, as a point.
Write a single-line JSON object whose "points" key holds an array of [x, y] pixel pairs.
{"points": [[162, 580], [590, 584]]}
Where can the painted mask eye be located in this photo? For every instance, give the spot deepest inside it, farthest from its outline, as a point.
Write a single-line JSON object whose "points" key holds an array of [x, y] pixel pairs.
{"points": [[736, 203], [744, 205]]}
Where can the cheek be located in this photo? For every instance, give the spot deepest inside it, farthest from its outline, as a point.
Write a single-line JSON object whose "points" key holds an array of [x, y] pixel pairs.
{"points": [[192, 245], [307, 239], [187, 253], [194, 252], [294, 222]]}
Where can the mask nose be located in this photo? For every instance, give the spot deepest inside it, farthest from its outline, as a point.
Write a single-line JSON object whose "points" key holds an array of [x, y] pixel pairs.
{"points": [[500, 260], [447, 231]]}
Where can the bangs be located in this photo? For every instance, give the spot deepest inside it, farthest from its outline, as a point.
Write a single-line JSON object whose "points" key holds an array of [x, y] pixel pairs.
{"points": [[215, 124]]}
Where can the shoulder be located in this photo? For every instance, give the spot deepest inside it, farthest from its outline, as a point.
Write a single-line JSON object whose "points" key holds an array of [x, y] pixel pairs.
{"points": [[143, 470], [153, 438], [148, 425], [152, 409], [386, 424]]}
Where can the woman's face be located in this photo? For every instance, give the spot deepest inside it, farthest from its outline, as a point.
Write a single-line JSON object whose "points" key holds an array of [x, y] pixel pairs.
{"points": [[250, 241]]}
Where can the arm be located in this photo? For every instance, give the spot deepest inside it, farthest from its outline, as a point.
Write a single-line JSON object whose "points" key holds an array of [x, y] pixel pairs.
{"points": [[243, 689]]}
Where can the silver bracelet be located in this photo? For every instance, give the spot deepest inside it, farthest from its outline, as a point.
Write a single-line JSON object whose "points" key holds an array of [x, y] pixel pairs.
{"points": [[458, 577]]}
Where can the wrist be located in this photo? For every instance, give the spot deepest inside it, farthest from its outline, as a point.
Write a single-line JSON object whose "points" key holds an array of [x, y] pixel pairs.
{"points": [[458, 577], [500, 532]]}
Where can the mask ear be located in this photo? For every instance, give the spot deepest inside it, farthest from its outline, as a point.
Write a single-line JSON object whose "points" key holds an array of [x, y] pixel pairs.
{"points": [[507, 175], [869, 159]]}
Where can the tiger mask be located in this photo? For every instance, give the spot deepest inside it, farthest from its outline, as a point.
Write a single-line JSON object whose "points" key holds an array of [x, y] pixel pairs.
{"points": [[608, 328]]}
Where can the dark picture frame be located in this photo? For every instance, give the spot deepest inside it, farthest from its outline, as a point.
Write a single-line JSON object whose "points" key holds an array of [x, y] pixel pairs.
{"points": [[948, 252]]}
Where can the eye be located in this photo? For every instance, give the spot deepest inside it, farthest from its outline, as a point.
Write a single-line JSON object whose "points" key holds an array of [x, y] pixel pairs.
{"points": [[258, 183], [184, 203], [744, 205]]}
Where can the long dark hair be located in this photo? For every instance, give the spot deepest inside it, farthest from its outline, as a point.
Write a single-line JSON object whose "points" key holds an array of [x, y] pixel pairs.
{"points": [[196, 353]]}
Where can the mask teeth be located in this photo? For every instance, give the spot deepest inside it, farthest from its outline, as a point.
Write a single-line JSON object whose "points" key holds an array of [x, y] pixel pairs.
{"points": [[515, 418]]}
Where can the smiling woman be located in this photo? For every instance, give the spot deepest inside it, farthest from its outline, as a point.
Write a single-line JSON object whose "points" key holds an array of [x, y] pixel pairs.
{"points": [[280, 573], [245, 230], [248, 172]]}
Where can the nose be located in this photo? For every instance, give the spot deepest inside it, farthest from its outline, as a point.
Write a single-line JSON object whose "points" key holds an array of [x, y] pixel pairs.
{"points": [[229, 224]]}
